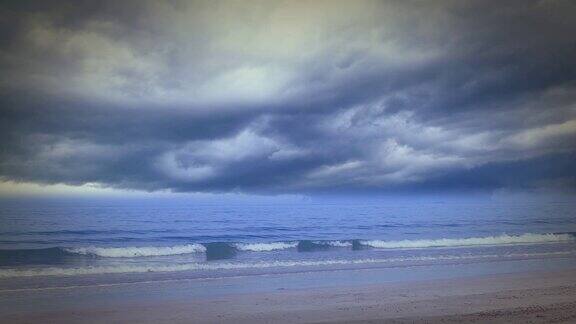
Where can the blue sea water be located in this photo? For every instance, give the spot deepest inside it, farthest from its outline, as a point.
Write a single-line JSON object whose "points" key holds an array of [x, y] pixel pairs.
{"points": [[72, 239]]}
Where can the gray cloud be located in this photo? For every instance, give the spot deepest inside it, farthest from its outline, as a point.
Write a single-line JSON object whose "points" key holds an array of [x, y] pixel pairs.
{"points": [[273, 97]]}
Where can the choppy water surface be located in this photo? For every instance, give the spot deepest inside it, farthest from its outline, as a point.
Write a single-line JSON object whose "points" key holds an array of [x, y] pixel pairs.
{"points": [[94, 238]]}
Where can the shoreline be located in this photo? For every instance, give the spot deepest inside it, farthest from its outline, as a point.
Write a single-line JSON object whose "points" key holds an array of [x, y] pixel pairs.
{"points": [[539, 296]]}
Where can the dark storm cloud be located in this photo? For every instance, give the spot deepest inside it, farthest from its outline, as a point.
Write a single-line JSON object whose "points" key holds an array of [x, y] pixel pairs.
{"points": [[272, 97]]}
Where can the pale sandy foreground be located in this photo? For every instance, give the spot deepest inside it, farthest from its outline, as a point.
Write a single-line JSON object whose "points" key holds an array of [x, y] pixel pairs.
{"points": [[525, 297]]}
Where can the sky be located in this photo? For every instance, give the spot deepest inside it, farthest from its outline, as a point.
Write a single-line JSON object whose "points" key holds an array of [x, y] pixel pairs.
{"points": [[287, 97]]}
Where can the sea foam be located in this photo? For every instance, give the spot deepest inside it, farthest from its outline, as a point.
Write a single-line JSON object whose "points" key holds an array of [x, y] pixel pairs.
{"points": [[265, 247], [131, 252], [472, 241], [56, 271], [339, 243]]}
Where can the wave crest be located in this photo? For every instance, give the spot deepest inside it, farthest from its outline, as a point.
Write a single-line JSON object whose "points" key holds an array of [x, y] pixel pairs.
{"points": [[339, 243], [472, 241], [265, 247], [131, 252]]}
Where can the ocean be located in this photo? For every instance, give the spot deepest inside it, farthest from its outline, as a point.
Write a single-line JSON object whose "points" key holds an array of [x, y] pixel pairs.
{"points": [[209, 239]]}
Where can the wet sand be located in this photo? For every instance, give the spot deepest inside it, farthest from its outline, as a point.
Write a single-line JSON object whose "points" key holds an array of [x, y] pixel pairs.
{"points": [[526, 297]]}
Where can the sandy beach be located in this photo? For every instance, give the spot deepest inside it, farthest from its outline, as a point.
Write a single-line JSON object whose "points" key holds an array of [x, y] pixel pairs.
{"points": [[525, 297]]}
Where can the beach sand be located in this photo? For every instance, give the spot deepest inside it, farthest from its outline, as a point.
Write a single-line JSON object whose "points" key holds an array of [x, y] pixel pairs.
{"points": [[525, 297]]}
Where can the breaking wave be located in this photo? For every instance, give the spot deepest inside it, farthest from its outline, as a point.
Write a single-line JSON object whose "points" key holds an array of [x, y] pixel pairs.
{"points": [[131, 252], [265, 247], [339, 243], [225, 250], [472, 241]]}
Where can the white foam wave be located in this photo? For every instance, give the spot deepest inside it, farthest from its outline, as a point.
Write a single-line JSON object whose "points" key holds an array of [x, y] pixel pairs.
{"points": [[9, 273], [472, 241], [265, 247], [144, 251], [338, 243]]}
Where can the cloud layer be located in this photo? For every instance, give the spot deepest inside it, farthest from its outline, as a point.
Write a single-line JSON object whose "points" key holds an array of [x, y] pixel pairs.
{"points": [[281, 97]]}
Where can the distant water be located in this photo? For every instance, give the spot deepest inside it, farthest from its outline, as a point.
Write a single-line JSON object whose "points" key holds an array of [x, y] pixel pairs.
{"points": [[98, 238]]}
